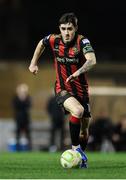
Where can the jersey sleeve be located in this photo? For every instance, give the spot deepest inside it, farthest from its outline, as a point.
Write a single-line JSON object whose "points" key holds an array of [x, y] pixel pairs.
{"points": [[46, 40], [86, 46]]}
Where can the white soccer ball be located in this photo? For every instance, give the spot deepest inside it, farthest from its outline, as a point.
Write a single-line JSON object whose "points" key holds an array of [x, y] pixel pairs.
{"points": [[70, 159]]}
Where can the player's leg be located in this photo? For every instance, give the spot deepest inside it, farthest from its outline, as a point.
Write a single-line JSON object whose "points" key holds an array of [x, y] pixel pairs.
{"points": [[73, 106], [83, 140], [84, 132], [76, 110]]}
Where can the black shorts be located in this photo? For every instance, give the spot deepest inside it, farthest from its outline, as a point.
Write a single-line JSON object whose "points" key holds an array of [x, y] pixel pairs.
{"points": [[63, 95]]}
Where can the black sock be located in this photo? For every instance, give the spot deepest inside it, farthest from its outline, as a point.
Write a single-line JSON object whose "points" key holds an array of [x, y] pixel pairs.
{"points": [[83, 143], [74, 133]]}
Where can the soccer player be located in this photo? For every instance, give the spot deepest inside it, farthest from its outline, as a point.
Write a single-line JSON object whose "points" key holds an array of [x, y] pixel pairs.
{"points": [[73, 57]]}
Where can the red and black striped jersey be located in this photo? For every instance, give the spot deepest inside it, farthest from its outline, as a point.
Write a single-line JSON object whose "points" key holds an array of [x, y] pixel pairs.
{"points": [[69, 58]]}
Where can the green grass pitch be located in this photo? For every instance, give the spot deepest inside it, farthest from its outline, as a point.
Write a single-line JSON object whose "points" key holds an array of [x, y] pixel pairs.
{"points": [[44, 165]]}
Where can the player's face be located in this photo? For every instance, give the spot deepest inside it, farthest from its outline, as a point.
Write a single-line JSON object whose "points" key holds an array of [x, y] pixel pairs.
{"points": [[67, 32]]}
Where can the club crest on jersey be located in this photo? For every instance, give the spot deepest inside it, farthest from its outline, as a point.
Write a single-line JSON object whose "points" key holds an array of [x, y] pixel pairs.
{"points": [[75, 50]]}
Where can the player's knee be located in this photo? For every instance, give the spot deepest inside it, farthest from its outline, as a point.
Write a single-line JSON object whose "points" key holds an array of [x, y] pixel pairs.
{"points": [[78, 111]]}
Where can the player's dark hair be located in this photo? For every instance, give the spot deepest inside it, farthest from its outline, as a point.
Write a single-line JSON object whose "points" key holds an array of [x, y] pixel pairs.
{"points": [[68, 18]]}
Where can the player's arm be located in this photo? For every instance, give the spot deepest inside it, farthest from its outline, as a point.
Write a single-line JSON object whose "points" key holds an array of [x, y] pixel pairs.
{"points": [[37, 53], [90, 61]]}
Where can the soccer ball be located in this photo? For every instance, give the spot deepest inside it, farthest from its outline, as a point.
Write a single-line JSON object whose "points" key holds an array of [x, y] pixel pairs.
{"points": [[70, 159]]}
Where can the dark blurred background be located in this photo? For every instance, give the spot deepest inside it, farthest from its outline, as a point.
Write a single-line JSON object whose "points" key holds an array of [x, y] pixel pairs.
{"points": [[24, 22]]}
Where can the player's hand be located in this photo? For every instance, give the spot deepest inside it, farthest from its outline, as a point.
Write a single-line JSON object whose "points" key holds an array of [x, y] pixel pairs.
{"points": [[70, 78], [33, 69]]}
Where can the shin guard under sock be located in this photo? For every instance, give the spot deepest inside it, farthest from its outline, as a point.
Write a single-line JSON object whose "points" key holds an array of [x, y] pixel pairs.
{"points": [[74, 125]]}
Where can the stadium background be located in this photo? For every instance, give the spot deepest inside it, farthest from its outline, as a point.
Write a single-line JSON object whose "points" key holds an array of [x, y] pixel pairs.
{"points": [[24, 23]]}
